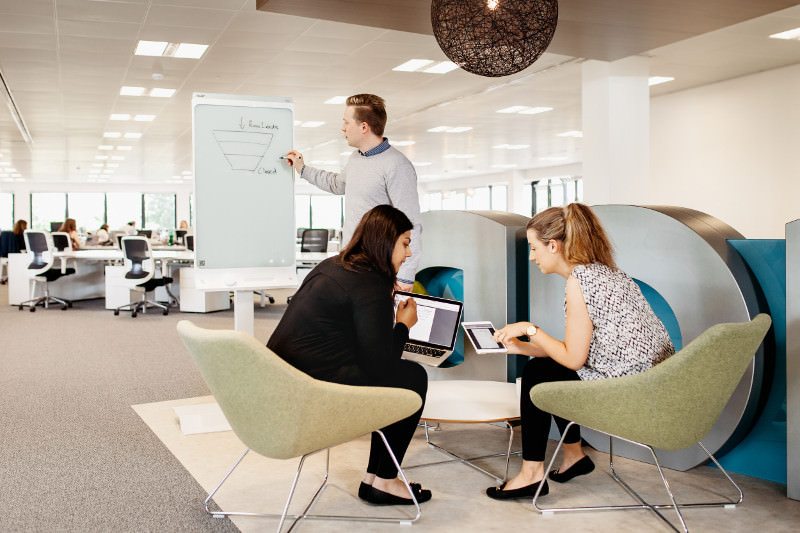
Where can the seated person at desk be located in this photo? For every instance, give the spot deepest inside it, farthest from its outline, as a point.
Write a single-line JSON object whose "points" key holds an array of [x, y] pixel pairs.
{"points": [[129, 228], [611, 331], [184, 225], [101, 235], [340, 327], [71, 227], [19, 233]]}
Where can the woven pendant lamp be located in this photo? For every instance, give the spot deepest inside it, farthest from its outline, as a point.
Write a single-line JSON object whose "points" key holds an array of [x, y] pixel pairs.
{"points": [[494, 37]]}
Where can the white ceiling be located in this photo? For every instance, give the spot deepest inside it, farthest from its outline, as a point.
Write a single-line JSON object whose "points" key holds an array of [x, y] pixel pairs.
{"points": [[65, 61]]}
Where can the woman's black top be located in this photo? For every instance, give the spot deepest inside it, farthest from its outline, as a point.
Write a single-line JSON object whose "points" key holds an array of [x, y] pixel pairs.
{"points": [[339, 326]]}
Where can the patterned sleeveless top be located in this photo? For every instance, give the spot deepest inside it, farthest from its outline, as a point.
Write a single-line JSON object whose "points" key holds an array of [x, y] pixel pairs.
{"points": [[627, 337]]}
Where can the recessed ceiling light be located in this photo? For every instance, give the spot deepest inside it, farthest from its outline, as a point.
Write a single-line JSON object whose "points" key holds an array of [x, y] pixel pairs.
{"points": [[120, 116], [190, 50], [441, 68], [657, 80], [298, 122], [5, 178], [160, 92], [336, 100], [507, 165], [511, 146], [535, 110], [413, 64], [133, 135], [187, 172], [512, 109], [98, 165], [101, 157], [312, 124], [112, 135], [150, 48], [10, 169], [787, 35], [112, 165], [144, 118], [124, 148], [126, 90], [118, 158], [94, 170], [459, 156], [105, 147], [553, 158], [421, 163], [108, 172], [187, 177], [572, 133], [17, 177], [449, 129], [403, 143]]}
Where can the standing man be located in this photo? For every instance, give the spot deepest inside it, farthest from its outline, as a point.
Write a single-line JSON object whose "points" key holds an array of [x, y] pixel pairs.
{"points": [[376, 173]]}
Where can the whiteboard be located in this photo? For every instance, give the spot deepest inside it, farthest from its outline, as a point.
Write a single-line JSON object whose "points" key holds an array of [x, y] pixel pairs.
{"points": [[243, 192]]}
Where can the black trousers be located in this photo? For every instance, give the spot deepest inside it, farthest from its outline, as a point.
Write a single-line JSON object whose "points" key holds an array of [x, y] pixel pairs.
{"points": [[535, 422], [404, 375]]}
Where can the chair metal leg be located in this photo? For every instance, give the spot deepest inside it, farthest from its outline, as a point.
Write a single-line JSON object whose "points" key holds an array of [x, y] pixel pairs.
{"points": [[468, 461], [295, 518], [655, 508]]}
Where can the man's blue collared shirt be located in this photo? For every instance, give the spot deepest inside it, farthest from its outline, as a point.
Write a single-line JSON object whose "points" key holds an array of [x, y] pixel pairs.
{"points": [[382, 147]]}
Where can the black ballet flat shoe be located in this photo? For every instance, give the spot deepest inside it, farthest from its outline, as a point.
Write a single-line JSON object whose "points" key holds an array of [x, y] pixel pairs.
{"points": [[581, 468], [497, 493], [375, 496], [363, 488]]}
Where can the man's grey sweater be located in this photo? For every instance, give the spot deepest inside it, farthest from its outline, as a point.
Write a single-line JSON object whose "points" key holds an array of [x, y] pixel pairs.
{"points": [[384, 178]]}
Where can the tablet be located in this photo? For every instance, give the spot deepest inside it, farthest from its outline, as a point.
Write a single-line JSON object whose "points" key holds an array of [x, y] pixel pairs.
{"points": [[481, 335]]}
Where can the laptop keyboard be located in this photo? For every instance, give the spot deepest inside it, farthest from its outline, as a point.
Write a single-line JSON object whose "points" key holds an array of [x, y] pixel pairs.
{"points": [[423, 350]]}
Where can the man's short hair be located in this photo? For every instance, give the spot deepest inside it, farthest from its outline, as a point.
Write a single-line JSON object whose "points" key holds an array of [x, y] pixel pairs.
{"points": [[371, 109]]}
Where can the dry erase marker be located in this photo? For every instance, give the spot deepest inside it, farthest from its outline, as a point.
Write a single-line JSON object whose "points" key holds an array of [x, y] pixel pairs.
{"points": [[284, 157]]}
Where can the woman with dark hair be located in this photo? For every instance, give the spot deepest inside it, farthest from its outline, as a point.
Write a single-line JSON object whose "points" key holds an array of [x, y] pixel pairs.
{"points": [[19, 233], [341, 327]]}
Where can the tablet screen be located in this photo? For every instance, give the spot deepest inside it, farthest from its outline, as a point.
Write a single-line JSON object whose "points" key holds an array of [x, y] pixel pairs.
{"points": [[481, 334]]}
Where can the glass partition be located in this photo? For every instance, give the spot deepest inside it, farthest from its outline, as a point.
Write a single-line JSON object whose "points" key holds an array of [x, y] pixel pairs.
{"points": [[159, 211]]}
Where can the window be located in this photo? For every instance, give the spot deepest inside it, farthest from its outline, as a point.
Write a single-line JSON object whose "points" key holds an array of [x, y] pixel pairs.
{"points": [[302, 210], [499, 197], [454, 200], [479, 198], [159, 211], [88, 209], [432, 201], [122, 208], [554, 192], [6, 210], [326, 211], [47, 207]]}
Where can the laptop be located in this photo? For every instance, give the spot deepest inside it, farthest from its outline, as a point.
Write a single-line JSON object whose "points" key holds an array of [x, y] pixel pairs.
{"points": [[433, 337]]}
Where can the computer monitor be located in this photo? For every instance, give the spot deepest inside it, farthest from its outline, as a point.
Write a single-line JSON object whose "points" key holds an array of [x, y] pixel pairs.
{"points": [[55, 225], [145, 233]]}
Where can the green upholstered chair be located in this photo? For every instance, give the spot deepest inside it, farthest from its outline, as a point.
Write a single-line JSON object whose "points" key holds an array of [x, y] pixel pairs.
{"points": [[670, 407], [282, 413]]}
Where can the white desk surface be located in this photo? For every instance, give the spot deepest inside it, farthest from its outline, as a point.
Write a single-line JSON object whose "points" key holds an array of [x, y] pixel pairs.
{"points": [[177, 253], [468, 402]]}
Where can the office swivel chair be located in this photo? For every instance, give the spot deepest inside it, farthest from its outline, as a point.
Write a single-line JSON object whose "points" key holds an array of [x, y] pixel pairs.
{"points": [[42, 270], [118, 240], [145, 233], [61, 241], [314, 240], [190, 242], [141, 275]]}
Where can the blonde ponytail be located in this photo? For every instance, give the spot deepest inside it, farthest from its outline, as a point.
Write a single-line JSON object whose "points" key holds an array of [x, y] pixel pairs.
{"points": [[576, 225]]}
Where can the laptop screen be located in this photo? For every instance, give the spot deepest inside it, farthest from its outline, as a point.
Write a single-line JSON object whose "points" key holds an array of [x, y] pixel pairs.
{"points": [[437, 320]]}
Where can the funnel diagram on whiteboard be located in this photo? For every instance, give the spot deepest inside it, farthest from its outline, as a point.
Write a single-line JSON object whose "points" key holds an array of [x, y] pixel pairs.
{"points": [[244, 150]]}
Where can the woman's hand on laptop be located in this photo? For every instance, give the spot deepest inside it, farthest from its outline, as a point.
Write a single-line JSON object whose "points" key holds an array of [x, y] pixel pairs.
{"points": [[407, 312]]}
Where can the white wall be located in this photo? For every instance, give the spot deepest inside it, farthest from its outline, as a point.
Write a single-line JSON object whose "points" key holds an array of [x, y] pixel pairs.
{"points": [[732, 150]]}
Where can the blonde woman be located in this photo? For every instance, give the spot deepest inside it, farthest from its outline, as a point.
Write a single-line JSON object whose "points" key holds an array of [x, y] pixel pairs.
{"points": [[611, 331]]}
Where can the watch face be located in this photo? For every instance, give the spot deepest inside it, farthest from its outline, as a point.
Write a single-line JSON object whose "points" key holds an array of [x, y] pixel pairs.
{"points": [[531, 331]]}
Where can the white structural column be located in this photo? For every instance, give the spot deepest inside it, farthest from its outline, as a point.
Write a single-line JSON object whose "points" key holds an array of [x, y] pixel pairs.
{"points": [[616, 131]]}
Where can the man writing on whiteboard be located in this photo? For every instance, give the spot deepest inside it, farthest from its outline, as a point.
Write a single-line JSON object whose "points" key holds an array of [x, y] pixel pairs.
{"points": [[376, 173]]}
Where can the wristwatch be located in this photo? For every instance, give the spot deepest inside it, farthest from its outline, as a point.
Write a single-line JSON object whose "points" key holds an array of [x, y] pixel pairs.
{"points": [[531, 330]]}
